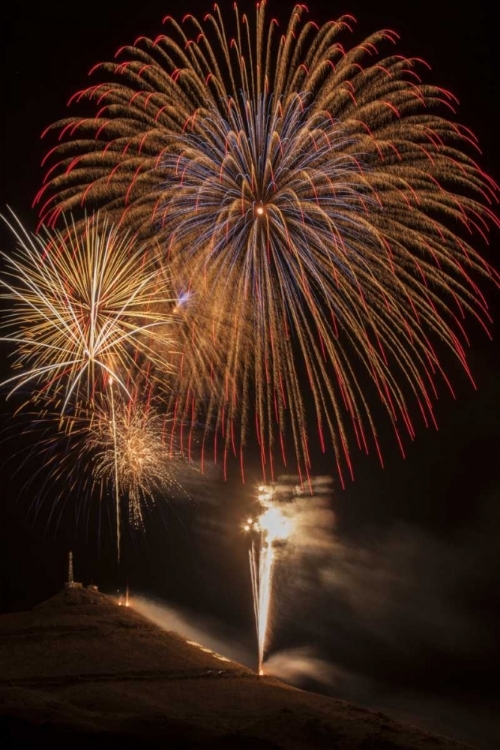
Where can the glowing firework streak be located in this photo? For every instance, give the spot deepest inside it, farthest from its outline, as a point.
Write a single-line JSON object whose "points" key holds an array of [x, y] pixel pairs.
{"points": [[261, 569], [272, 527], [117, 486]]}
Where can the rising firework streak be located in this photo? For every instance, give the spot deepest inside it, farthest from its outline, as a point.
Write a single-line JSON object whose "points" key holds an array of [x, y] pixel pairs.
{"points": [[269, 529]]}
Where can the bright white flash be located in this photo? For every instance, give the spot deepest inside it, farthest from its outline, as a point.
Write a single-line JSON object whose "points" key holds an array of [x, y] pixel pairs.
{"points": [[275, 525]]}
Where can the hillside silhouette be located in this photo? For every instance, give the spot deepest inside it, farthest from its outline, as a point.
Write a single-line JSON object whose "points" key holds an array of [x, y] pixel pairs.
{"points": [[79, 669]]}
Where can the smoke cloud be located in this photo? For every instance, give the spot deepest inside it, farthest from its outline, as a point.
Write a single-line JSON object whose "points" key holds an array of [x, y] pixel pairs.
{"points": [[198, 629]]}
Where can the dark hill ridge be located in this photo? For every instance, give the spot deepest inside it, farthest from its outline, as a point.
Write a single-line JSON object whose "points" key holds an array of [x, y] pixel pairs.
{"points": [[81, 632], [78, 669]]}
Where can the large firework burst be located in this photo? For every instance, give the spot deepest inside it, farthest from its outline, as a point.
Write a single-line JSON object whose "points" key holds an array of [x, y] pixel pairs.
{"points": [[318, 194], [85, 308]]}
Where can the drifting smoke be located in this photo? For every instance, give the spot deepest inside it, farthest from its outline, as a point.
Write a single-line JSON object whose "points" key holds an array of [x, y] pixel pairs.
{"points": [[298, 664], [309, 512], [205, 632], [381, 611]]}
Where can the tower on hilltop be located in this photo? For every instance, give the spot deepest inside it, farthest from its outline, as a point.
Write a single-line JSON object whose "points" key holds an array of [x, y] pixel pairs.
{"points": [[71, 583]]}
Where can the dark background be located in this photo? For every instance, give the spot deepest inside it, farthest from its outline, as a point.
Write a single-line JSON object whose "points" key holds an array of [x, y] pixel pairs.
{"points": [[404, 608]]}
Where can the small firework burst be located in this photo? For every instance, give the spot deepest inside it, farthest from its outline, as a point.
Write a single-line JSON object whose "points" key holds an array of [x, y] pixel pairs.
{"points": [[134, 451]]}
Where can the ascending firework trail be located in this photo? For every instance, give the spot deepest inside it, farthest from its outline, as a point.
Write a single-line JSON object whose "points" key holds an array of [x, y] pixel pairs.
{"points": [[268, 529]]}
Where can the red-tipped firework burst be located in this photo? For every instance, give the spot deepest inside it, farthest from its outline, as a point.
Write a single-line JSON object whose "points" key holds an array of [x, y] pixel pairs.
{"points": [[321, 196]]}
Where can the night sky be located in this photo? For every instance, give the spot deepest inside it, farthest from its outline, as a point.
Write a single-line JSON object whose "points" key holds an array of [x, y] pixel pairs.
{"points": [[401, 613]]}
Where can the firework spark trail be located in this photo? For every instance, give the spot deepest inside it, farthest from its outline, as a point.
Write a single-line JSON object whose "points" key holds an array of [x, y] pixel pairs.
{"points": [[86, 307], [261, 566], [272, 527], [320, 191], [115, 463]]}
